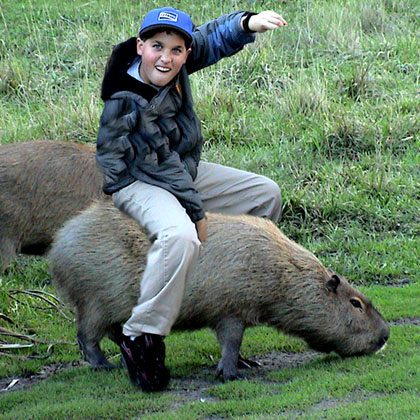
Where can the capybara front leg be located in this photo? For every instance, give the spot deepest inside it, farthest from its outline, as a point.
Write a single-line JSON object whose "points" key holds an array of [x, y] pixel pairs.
{"points": [[229, 333]]}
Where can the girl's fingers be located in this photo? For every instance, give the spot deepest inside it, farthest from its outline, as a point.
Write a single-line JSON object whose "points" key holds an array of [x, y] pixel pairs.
{"points": [[268, 20]]}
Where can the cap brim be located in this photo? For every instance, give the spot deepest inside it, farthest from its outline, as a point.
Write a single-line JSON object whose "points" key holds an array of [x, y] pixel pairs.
{"points": [[163, 27]]}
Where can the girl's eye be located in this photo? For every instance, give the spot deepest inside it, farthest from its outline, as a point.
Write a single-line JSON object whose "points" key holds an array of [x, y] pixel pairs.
{"points": [[157, 46]]}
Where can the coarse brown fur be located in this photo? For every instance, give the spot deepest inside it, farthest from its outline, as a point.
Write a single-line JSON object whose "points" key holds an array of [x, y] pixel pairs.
{"points": [[42, 184], [248, 273]]}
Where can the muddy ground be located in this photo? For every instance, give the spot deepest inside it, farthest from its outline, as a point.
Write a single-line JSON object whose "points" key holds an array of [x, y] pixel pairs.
{"points": [[200, 380]]}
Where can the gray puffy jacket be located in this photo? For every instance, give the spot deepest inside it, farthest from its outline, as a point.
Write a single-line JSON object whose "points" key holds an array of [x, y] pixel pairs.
{"points": [[159, 142]]}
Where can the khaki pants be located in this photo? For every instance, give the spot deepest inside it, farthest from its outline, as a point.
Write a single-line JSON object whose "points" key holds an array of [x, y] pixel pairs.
{"points": [[175, 245]]}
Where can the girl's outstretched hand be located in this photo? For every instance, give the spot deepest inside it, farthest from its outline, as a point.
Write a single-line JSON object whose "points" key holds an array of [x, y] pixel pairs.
{"points": [[266, 21]]}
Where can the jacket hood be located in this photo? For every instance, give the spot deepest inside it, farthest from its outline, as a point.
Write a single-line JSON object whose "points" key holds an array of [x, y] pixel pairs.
{"points": [[115, 77]]}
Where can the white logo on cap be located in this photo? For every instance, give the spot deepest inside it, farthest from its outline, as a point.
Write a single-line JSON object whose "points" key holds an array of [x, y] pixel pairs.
{"points": [[172, 17]]}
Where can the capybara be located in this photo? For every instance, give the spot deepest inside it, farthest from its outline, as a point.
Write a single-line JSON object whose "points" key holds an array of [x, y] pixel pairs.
{"points": [[248, 273], [42, 184]]}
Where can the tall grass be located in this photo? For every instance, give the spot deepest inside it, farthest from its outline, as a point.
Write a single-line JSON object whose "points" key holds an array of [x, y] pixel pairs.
{"points": [[327, 106]]}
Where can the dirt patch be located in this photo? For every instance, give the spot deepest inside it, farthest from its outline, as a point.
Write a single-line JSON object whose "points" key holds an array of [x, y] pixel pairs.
{"points": [[195, 387], [330, 403], [399, 282], [188, 388], [281, 360], [17, 383], [406, 321]]}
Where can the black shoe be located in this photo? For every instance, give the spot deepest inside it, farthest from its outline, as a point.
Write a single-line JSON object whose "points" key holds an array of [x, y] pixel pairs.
{"points": [[145, 361]]}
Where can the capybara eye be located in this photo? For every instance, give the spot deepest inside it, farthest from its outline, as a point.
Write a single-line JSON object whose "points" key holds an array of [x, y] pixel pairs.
{"points": [[356, 303]]}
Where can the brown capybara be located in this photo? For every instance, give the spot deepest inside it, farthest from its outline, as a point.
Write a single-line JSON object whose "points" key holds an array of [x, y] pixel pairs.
{"points": [[42, 184], [248, 273]]}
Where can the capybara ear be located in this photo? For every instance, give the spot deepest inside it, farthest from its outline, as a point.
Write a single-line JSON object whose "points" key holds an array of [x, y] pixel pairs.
{"points": [[330, 271], [333, 283]]}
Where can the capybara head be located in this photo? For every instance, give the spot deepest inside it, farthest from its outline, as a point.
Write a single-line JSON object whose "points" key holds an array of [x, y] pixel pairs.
{"points": [[334, 316], [358, 328]]}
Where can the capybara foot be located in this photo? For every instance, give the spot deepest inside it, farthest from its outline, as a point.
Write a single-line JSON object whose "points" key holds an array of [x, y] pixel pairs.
{"points": [[227, 372], [246, 363], [106, 366], [92, 353]]}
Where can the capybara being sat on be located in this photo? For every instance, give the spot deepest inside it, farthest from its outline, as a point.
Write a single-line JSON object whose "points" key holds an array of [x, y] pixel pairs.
{"points": [[248, 273]]}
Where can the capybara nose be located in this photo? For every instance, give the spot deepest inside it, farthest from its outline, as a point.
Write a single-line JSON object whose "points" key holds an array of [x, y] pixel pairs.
{"points": [[383, 340]]}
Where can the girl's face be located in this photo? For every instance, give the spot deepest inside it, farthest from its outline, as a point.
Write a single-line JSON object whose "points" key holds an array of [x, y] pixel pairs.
{"points": [[163, 55]]}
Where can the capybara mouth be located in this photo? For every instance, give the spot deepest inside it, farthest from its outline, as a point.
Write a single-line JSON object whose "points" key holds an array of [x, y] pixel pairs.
{"points": [[381, 344], [381, 349], [376, 348]]}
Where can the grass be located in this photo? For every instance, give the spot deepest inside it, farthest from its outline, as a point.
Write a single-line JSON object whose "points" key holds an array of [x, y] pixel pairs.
{"points": [[328, 108], [326, 385], [381, 385]]}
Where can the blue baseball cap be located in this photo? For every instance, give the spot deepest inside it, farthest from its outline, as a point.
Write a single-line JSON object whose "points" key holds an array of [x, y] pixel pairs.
{"points": [[167, 18]]}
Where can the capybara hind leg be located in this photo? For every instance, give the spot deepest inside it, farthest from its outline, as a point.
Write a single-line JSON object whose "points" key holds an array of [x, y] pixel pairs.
{"points": [[92, 353], [115, 333], [229, 334], [8, 250]]}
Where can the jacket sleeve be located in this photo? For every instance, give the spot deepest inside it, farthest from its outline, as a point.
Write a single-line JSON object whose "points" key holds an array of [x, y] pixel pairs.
{"points": [[191, 162], [219, 38], [113, 148]]}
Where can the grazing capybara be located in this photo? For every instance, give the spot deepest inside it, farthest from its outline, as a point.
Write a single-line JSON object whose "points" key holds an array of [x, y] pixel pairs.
{"points": [[42, 184], [248, 273]]}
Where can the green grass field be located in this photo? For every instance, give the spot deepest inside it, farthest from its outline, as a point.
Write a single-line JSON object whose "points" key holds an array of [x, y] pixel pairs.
{"points": [[328, 107]]}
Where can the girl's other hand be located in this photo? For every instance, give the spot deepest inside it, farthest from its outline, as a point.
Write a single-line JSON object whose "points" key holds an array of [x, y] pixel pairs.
{"points": [[201, 227]]}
